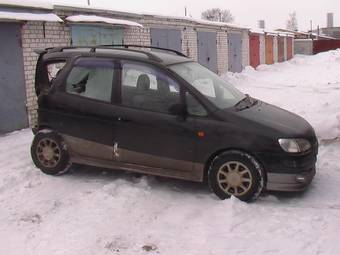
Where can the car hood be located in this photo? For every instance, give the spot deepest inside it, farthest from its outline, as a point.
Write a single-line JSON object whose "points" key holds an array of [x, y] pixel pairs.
{"points": [[271, 118]]}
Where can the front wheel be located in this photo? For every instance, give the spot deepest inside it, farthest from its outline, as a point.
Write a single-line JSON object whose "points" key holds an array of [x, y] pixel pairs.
{"points": [[49, 153], [235, 173]]}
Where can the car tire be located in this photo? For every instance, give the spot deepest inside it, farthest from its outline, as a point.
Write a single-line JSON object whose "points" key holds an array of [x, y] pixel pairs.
{"points": [[235, 173], [49, 153]]}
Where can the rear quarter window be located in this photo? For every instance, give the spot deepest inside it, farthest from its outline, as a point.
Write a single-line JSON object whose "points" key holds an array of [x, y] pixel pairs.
{"points": [[53, 69], [46, 73], [92, 79]]}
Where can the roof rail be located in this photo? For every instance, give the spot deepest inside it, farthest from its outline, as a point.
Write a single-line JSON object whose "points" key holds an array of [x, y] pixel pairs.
{"points": [[119, 46], [113, 47], [126, 46]]}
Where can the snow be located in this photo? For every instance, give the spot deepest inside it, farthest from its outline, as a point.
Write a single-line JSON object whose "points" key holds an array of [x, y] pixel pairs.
{"points": [[217, 23], [306, 85], [257, 31], [286, 34], [94, 18], [5, 15], [95, 211]]}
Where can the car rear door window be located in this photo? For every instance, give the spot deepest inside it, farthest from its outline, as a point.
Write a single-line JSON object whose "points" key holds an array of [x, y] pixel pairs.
{"points": [[92, 78], [148, 88]]}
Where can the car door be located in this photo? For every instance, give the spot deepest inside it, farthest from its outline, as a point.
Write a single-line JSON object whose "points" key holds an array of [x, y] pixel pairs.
{"points": [[147, 133], [80, 108]]}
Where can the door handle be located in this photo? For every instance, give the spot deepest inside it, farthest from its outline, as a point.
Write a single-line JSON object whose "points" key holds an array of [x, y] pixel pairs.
{"points": [[123, 119]]}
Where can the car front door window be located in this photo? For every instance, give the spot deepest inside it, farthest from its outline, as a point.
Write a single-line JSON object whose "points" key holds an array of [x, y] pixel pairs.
{"points": [[194, 107], [147, 88]]}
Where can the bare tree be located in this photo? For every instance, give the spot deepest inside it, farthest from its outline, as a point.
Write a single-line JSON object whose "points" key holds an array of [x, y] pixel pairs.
{"points": [[292, 22], [217, 14]]}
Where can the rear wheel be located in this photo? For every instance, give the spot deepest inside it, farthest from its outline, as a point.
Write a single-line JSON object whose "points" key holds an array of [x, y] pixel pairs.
{"points": [[235, 173], [49, 153]]}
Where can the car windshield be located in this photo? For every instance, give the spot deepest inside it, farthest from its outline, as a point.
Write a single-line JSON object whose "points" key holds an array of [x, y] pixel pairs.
{"points": [[219, 92]]}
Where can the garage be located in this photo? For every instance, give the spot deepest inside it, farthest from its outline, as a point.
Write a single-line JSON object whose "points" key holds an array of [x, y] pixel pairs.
{"points": [[13, 114], [90, 30], [85, 35], [207, 49], [166, 38], [254, 49], [234, 52]]}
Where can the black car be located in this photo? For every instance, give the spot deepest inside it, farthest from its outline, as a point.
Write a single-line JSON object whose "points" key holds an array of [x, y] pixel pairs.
{"points": [[160, 113]]}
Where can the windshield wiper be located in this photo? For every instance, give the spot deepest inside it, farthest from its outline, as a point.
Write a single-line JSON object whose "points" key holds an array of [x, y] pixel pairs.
{"points": [[246, 102]]}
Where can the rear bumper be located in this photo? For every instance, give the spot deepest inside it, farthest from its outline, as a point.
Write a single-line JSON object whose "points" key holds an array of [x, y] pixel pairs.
{"points": [[290, 182]]}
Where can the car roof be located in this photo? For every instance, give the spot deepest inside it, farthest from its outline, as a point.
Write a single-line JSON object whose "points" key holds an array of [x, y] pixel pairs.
{"points": [[150, 54]]}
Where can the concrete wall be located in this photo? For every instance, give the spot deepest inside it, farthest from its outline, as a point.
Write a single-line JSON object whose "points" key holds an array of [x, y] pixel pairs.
{"points": [[303, 46]]}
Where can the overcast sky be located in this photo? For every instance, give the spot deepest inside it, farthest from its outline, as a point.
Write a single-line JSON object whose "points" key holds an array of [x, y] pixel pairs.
{"points": [[247, 12]]}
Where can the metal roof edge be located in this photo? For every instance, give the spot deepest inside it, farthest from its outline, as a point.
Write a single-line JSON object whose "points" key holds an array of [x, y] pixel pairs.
{"points": [[26, 5], [61, 7]]}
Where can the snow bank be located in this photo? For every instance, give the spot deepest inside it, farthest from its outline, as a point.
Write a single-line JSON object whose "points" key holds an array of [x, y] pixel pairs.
{"points": [[306, 85], [94, 18]]}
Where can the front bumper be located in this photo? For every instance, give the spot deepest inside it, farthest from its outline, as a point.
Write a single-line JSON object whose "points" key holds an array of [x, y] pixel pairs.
{"points": [[290, 182]]}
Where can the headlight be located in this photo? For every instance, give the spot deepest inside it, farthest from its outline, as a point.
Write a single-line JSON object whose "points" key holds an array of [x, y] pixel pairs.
{"points": [[295, 145]]}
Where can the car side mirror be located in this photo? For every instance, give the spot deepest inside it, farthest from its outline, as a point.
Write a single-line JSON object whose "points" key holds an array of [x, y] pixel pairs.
{"points": [[178, 109]]}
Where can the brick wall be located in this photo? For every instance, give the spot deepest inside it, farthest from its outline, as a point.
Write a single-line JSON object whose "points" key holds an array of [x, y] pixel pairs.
{"points": [[245, 48], [137, 36], [34, 36], [222, 52], [189, 42], [262, 49], [275, 49], [285, 48]]}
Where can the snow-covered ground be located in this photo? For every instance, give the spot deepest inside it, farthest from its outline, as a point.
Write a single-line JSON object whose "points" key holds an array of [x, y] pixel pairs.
{"points": [[91, 211]]}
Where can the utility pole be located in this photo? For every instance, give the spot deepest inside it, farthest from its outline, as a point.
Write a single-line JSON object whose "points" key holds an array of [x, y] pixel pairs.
{"points": [[185, 10], [88, 2]]}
